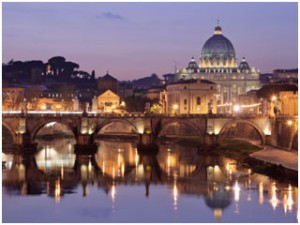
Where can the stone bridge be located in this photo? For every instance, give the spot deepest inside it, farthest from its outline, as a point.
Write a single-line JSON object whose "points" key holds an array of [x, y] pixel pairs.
{"points": [[24, 127]]}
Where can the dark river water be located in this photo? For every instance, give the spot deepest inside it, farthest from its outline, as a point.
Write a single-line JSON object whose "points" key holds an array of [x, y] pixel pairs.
{"points": [[120, 184]]}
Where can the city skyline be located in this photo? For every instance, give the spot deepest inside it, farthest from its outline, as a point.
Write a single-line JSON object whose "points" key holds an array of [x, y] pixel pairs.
{"points": [[133, 40]]}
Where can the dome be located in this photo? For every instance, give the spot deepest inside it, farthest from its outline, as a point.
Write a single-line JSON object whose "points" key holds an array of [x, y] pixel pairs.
{"points": [[218, 46], [193, 65], [244, 66]]}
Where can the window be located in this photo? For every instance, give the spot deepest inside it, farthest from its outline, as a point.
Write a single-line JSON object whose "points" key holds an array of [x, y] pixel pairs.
{"points": [[184, 88], [198, 101], [184, 101]]}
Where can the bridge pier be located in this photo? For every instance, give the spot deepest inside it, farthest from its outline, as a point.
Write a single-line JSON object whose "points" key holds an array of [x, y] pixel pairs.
{"points": [[146, 139], [85, 144], [210, 139], [23, 143]]}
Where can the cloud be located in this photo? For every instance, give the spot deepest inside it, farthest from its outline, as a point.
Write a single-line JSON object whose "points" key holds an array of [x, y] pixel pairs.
{"points": [[110, 16]]}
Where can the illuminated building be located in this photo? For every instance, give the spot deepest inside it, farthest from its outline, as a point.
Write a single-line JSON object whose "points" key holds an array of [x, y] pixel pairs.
{"points": [[189, 97], [289, 102], [108, 101], [218, 63]]}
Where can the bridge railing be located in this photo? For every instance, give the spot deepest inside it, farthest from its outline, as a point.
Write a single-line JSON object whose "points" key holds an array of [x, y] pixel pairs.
{"points": [[128, 114]]}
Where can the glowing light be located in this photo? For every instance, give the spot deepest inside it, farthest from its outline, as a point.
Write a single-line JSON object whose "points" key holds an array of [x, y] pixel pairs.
{"points": [[251, 105], [57, 191], [236, 108], [289, 122], [274, 98], [50, 124], [261, 193], [168, 163], [224, 105], [288, 201], [237, 190], [175, 195], [103, 167], [136, 158], [274, 201], [113, 193], [175, 106]]}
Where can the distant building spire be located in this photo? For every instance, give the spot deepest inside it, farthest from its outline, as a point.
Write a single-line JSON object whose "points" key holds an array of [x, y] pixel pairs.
{"points": [[107, 72]]}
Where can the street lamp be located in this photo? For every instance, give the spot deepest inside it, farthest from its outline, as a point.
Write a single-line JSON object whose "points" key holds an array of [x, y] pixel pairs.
{"points": [[175, 107], [289, 122], [236, 108], [274, 98]]}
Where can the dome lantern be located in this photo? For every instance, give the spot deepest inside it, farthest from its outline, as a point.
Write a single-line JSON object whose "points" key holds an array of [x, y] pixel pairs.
{"points": [[218, 29]]}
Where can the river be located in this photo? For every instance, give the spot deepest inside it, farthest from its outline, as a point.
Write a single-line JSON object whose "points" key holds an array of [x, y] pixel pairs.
{"points": [[120, 184]]}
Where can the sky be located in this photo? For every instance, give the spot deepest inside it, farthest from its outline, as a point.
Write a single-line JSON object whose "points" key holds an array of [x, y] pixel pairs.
{"points": [[134, 40]]}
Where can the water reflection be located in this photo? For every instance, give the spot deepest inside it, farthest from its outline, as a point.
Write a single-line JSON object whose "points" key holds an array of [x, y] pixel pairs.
{"points": [[221, 182]]}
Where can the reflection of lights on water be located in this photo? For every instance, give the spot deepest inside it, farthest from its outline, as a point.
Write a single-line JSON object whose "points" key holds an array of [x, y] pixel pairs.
{"points": [[261, 193], [136, 158], [175, 196], [218, 214], [57, 191], [288, 200], [62, 171], [123, 170], [90, 167], [237, 190], [274, 200], [168, 163], [113, 195]]}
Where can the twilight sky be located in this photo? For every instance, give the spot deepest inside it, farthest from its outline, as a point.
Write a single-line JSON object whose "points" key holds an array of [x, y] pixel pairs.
{"points": [[133, 40]]}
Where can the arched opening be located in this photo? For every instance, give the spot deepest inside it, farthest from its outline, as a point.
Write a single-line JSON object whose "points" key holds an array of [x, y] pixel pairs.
{"points": [[7, 139], [242, 130], [52, 130], [116, 128], [55, 145]]}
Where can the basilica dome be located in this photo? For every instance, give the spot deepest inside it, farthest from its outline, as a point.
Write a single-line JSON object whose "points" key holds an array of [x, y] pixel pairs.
{"points": [[218, 46]]}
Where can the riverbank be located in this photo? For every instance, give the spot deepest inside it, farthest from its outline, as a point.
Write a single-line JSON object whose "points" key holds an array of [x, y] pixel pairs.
{"points": [[285, 158]]}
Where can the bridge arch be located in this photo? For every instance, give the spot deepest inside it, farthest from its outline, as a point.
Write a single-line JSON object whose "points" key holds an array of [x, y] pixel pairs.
{"points": [[181, 123], [106, 123], [252, 124], [37, 128]]}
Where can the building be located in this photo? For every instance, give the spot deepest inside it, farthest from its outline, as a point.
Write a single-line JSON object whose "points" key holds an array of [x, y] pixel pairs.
{"points": [[218, 63], [107, 82], [284, 74], [194, 96], [249, 103], [108, 102], [153, 93], [289, 103], [13, 98]]}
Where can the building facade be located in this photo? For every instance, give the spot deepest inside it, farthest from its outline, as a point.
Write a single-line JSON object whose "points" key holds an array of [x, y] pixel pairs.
{"points": [[194, 96], [108, 102]]}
